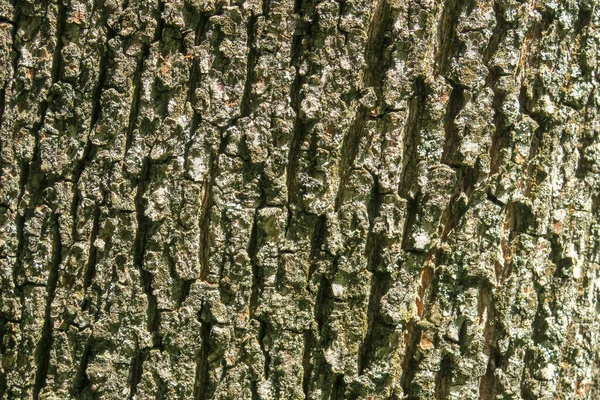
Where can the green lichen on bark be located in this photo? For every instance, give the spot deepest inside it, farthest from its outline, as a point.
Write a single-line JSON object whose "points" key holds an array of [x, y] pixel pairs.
{"points": [[309, 199]]}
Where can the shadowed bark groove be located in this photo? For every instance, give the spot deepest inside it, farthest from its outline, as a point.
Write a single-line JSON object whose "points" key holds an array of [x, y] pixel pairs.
{"points": [[45, 343], [202, 368], [144, 226], [135, 372]]}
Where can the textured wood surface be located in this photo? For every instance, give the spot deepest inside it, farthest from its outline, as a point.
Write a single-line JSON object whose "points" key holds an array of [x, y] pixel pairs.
{"points": [[300, 199]]}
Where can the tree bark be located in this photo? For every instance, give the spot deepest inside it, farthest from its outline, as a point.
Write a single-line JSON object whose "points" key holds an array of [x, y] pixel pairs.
{"points": [[309, 199]]}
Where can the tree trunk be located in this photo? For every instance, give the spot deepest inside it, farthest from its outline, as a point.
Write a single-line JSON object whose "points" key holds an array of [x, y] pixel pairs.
{"points": [[309, 199]]}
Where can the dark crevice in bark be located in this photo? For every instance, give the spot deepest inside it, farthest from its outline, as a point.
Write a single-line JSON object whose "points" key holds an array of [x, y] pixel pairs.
{"points": [[443, 378], [348, 153], [90, 268], [467, 179], [338, 389], [201, 391], [377, 58], [453, 214], [316, 242], [257, 278], [206, 208], [448, 44], [181, 287], [184, 292], [292, 170], [136, 370], [262, 332], [251, 60], [488, 383], [3, 384], [81, 382], [42, 356], [137, 92], [301, 44], [20, 227], [102, 76], [320, 370], [409, 362], [205, 214], [299, 135], [307, 365], [501, 138], [584, 18], [57, 61], [527, 392], [416, 112], [494, 200], [2, 107], [323, 308], [540, 324], [254, 390], [199, 36], [412, 209], [137, 78], [456, 102], [266, 7], [16, 53], [498, 34], [139, 250], [89, 152], [160, 22], [380, 281], [253, 247], [378, 48]]}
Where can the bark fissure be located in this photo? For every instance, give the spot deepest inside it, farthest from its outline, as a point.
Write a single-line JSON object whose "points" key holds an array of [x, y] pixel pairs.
{"points": [[205, 218], [90, 268], [379, 280], [81, 382], [413, 137], [307, 366], [143, 231], [317, 240], [136, 370], [136, 98], [45, 344], [257, 281], [377, 61], [201, 391], [251, 60], [456, 102], [262, 332]]}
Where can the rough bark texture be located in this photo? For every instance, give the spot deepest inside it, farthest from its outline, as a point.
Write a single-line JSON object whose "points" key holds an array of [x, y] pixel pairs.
{"points": [[309, 199]]}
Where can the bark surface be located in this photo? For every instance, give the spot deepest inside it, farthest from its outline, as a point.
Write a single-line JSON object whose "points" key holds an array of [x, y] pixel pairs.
{"points": [[309, 199]]}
